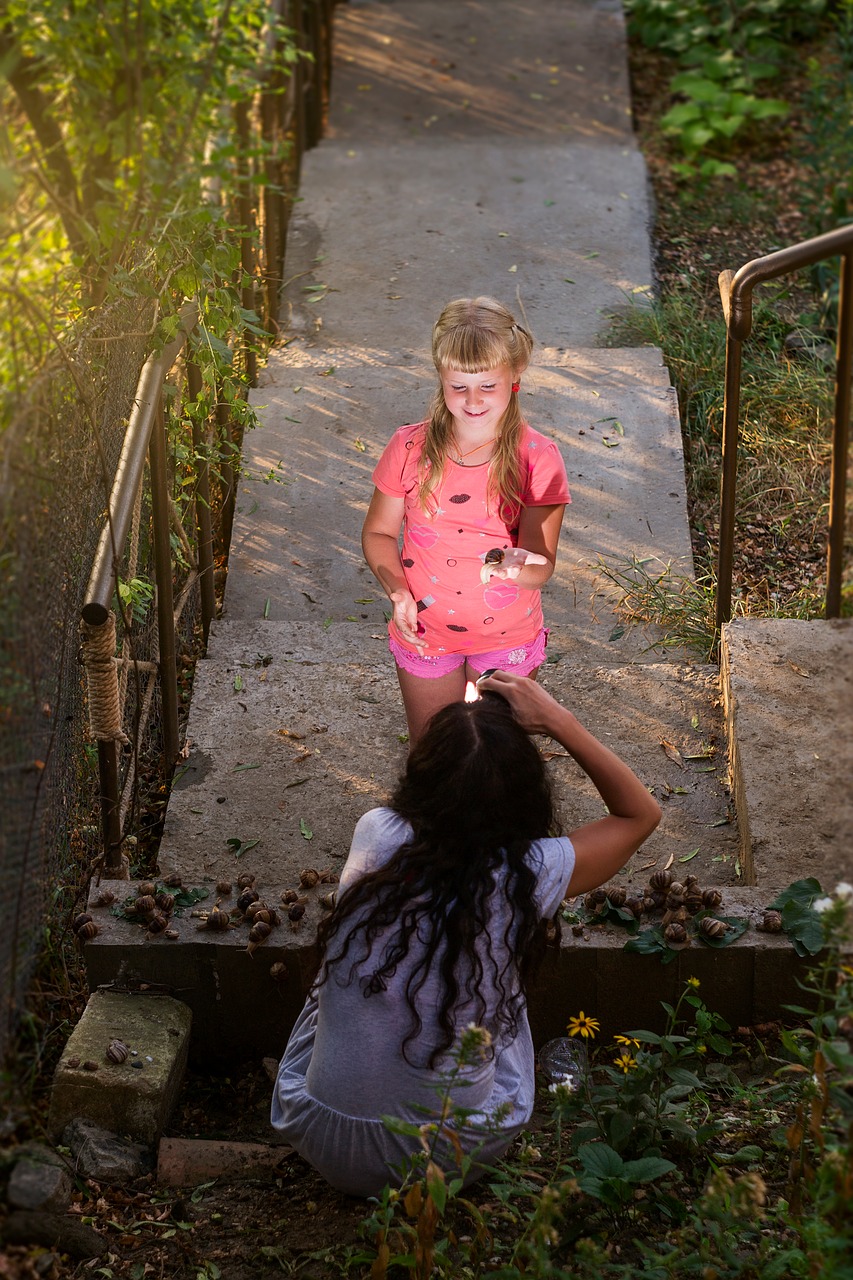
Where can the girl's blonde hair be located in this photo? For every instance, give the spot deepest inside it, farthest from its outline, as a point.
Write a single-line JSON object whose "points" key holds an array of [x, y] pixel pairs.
{"points": [[470, 335]]}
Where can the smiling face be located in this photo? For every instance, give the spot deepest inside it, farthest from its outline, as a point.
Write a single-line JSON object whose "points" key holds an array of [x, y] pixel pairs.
{"points": [[477, 401]]}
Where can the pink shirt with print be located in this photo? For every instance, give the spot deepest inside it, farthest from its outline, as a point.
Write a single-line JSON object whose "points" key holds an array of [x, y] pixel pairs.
{"points": [[444, 550]]}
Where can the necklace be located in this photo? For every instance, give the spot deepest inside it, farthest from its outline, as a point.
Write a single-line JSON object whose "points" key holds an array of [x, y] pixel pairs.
{"points": [[459, 456]]}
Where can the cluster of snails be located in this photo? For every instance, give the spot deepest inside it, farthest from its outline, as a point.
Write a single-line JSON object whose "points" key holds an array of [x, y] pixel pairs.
{"points": [[83, 927], [153, 907], [677, 900], [251, 909]]}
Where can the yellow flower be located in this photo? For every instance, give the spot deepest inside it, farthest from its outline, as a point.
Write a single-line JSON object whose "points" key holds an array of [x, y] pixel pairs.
{"points": [[627, 1041], [693, 982], [626, 1062], [583, 1026]]}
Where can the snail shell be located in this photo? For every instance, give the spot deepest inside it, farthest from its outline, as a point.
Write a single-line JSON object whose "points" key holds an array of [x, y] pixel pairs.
{"points": [[690, 882], [80, 920], [88, 931], [711, 898], [145, 904], [71, 1063], [165, 903], [278, 971], [295, 912], [650, 904], [675, 932], [157, 922], [104, 898], [495, 556], [660, 880], [245, 880], [146, 889], [288, 896], [328, 900], [771, 922], [172, 934], [224, 888], [258, 933], [674, 916], [674, 900], [711, 928], [616, 896], [246, 898], [259, 913], [308, 877], [329, 877], [693, 901], [635, 906], [677, 887], [117, 1051], [89, 1065], [173, 881], [217, 920]]}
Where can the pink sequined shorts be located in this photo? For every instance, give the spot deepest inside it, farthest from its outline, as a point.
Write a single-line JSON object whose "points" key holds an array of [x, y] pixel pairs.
{"points": [[521, 660]]}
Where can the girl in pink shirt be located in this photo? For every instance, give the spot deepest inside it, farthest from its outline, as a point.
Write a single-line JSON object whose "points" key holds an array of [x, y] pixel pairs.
{"points": [[479, 496]]}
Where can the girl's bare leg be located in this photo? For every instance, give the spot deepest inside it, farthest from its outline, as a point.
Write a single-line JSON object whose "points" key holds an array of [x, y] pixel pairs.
{"points": [[422, 698]]}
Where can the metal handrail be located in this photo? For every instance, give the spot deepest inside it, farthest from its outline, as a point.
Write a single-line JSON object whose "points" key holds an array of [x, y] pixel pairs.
{"points": [[736, 294]]}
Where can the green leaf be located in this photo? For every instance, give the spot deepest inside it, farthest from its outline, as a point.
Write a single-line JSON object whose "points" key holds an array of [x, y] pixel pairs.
{"points": [[239, 847], [601, 1160], [803, 892], [244, 768], [305, 830], [647, 1169], [736, 928]]}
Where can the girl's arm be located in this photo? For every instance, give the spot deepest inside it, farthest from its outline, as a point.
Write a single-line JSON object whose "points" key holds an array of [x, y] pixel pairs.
{"points": [[380, 541], [539, 533], [601, 848]]}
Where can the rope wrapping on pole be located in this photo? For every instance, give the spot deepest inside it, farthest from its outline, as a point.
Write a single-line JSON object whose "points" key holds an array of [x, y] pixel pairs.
{"points": [[98, 646]]}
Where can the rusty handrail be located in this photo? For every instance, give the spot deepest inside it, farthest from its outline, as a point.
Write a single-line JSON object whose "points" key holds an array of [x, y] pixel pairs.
{"points": [[736, 294]]}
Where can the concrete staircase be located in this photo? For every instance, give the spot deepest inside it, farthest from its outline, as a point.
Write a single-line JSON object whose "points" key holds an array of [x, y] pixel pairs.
{"points": [[473, 148]]}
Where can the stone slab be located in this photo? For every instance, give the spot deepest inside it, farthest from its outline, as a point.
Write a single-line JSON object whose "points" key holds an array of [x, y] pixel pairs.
{"points": [[129, 1101], [788, 690], [184, 1162]]}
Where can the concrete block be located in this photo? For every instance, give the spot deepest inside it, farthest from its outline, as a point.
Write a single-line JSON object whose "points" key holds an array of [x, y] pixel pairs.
{"points": [[126, 1099]]}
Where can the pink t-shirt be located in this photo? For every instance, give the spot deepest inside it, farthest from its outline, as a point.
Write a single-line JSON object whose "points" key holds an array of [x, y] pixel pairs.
{"points": [[443, 552]]}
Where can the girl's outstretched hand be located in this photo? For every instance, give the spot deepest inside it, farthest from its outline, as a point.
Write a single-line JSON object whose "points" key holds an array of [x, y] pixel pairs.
{"points": [[511, 563], [405, 617]]}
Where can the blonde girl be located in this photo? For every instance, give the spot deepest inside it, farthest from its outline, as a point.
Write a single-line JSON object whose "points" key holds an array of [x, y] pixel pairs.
{"points": [[479, 497]]}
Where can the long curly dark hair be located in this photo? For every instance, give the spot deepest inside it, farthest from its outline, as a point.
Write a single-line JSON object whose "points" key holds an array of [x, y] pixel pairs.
{"points": [[476, 794]]}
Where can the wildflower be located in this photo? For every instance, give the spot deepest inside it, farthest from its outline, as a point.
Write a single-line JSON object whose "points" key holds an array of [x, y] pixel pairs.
{"points": [[562, 1087], [584, 1026], [822, 904], [844, 891], [626, 1061], [693, 982], [628, 1041]]}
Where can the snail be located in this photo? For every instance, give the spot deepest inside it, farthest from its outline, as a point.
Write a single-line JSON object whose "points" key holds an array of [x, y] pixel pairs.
{"points": [[144, 904], [80, 920], [258, 933], [677, 915], [217, 920], [328, 900], [674, 900], [595, 900], [288, 896], [263, 913], [771, 922], [693, 901], [308, 877], [172, 934], [651, 903], [711, 899], [278, 971], [295, 912], [173, 881], [616, 896], [245, 880], [71, 1064], [165, 903], [660, 880], [677, 887], [658, 898], [146, 889], [89, 1065], [103, 898], [691, 881], [675, 932], [329, 877], [224, 888], [87, 931], [711, 928], [495, 556], [246, 898], [157, 922], [635, 906], [117, 1051]]}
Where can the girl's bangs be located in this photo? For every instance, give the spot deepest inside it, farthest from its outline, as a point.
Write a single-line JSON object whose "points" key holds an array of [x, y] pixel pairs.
{"points": [[470, 349]]}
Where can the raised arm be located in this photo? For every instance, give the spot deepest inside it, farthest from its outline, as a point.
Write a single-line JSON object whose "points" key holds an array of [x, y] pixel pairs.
{"points": [[603, 847], [380, 536]]}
